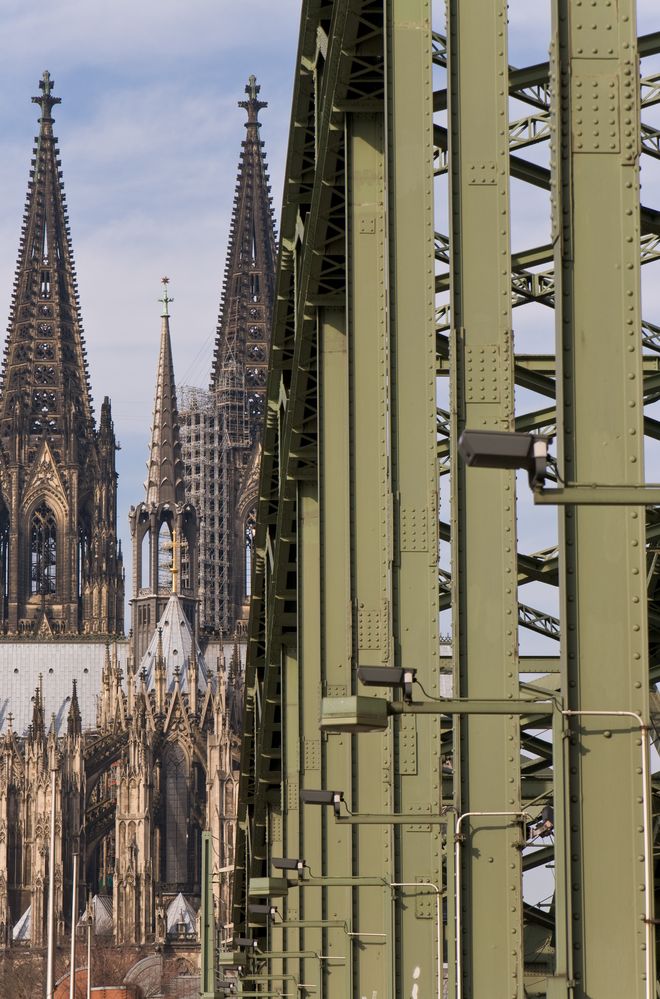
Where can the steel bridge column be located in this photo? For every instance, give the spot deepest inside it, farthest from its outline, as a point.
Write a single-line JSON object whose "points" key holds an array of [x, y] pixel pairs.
{"points": [[336, 629], [371, 541], [603, 582], [417, 778], [312, 840], [486, 765]]}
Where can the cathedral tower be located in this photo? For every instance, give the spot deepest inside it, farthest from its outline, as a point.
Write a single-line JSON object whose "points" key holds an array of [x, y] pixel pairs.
{"points": [[61, 568], [164, 526], [222, 428]]}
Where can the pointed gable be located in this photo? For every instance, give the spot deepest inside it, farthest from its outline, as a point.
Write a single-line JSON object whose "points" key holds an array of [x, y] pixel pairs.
{"points": [[44, 480]]}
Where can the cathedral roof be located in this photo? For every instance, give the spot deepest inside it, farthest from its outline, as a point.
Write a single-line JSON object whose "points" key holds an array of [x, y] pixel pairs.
{"points": [[174, 641], [102, 915], [165, 482], [22, 930], [180, 911], [45, 382], [52, 666]]}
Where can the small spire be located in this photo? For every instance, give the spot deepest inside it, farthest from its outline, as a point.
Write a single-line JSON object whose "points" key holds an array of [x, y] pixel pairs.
{"points": [[45, 100], [165, 299], [165, 482], [38, 722], [74, 720], [253, 105]]}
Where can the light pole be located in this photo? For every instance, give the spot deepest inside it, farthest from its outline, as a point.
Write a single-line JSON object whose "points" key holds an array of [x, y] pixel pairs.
{"points": [[50, 958], [74, 920], [88, 922]]}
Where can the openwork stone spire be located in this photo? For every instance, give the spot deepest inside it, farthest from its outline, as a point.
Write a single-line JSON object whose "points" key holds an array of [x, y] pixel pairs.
{"points": [[45, 382], [222, 429], [241, 353], [165, 482], [61, 566]]}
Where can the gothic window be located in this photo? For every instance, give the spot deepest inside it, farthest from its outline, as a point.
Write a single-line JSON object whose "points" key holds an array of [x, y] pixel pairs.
{"points": [[44, 374], [43, 402], [43, 550], [83, 557], [4, 561], [256, 408], [176, 815], [255, 376], [250, 527], [256, 352], [14, 840]]}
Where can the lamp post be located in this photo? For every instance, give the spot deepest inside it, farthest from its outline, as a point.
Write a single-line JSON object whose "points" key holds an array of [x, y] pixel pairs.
{"points": [[50, 956], [74, 920], [88, 922]]}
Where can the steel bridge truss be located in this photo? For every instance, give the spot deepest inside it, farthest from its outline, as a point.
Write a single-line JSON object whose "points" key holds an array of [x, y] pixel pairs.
{"points": [[389, 339]]}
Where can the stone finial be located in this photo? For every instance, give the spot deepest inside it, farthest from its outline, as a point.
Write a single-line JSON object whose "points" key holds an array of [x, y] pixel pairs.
{"points": [[45, 100]]}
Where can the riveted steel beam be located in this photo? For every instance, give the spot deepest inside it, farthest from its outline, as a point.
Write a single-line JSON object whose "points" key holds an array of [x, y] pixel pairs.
{"points": [[484, 605], [599, 380]]}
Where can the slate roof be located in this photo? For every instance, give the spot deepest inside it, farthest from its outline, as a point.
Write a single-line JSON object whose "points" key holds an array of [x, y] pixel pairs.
{"points": [[181, 911], [59, 663], [177, 638]]}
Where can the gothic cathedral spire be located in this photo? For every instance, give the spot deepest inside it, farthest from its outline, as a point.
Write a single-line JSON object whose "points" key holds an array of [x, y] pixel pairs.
{"points": [[165, 469], [223, 430], [60, 565], [240, 361], [164, 526]]}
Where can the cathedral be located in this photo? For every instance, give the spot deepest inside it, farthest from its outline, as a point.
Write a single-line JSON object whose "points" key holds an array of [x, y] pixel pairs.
{"points": [[133, 743]]}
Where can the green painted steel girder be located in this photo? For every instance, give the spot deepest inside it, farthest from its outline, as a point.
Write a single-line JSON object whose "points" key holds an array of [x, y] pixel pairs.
{"points": [[346, 571]]}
